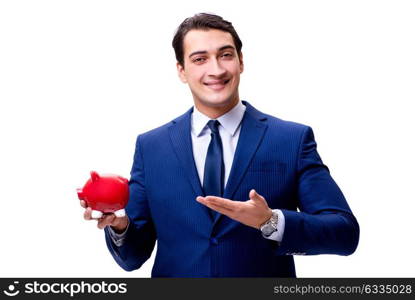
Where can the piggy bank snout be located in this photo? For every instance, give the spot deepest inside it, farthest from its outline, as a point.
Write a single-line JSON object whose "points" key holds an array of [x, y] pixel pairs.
{"points": [[80, 193]]}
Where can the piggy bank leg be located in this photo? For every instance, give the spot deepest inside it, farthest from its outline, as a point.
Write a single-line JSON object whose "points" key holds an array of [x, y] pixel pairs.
{"points": [[120, 213], [96, 214]]}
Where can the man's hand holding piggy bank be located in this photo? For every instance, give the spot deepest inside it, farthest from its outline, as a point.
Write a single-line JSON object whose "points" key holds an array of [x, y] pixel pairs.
{"points": [[104, 198]]}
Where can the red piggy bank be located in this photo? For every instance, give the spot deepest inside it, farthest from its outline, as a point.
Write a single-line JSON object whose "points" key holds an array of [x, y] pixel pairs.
{"points": [[105, 194]]}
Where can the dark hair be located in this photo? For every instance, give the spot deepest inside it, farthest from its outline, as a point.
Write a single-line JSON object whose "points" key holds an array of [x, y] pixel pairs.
{"points": [[202, 21]]}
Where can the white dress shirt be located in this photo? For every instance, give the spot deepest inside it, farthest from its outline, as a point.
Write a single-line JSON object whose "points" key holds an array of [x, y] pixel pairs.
{"points": [[229, 129]]}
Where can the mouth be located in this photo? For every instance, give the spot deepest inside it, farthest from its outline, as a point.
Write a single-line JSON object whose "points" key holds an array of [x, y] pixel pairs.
{"points": [[217, 84]]}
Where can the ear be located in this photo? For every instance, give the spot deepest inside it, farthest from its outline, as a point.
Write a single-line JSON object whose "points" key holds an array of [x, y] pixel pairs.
{"points": [[94, 176], [181, 72], [241, 62]]}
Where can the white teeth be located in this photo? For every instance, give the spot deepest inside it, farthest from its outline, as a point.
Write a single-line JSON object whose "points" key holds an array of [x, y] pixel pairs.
{"points": [[215, 83]]}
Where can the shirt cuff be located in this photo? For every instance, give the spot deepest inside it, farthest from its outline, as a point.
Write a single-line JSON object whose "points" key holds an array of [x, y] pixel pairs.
{"points": [[118, 238], [277, 235]]}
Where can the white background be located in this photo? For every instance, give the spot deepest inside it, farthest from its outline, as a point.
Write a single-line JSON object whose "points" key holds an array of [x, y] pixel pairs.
{"points": [[80, 79]]}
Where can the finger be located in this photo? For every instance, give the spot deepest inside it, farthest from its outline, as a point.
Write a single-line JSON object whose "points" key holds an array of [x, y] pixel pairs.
{"points": [[253, 195], [83, 203], [87, 213], [220, 202], [106, 220], [220, 209], [209, 203]]}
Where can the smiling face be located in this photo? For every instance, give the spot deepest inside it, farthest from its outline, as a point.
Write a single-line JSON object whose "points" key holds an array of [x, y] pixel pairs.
{"points": [[212, 69]]}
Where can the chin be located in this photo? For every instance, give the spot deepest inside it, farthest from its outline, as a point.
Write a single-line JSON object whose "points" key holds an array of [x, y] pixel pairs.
{"points": [[217, 103]]}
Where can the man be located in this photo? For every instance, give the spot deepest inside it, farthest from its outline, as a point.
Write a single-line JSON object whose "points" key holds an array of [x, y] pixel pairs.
{"points": [[191, 179]]}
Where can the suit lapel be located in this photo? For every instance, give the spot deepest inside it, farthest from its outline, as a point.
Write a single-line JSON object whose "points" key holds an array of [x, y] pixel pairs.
{"points": [[250, 137], [181, 140], [180, 136]]}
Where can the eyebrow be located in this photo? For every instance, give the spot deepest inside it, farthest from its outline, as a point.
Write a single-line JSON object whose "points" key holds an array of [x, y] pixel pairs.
{"points": [[204, 51]]}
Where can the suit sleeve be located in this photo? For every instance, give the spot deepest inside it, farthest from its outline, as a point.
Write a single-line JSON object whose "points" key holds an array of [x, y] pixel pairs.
{"points": [[325, 224], [140, 236]]}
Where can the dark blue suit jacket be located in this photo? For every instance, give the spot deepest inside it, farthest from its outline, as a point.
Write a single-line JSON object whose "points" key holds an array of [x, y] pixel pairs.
{"points": [[276, 158]]}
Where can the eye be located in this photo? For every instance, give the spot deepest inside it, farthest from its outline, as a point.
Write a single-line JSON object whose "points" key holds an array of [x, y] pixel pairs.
{"points": [[227, 55], [199, 60]]}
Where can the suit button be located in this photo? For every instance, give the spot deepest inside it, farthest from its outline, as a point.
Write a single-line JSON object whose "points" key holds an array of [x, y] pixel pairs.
{"points": [[214, 241]]}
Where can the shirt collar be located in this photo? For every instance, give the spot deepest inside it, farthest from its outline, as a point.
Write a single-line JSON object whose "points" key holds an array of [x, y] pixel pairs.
{"points": [[230, 121]]}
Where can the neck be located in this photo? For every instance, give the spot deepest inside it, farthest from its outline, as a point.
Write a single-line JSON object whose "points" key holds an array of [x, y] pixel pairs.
{"points": [[214, 112]]}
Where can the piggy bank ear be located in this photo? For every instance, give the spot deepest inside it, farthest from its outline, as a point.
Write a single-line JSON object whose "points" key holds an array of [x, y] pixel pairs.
{"points": [[94, 176]]}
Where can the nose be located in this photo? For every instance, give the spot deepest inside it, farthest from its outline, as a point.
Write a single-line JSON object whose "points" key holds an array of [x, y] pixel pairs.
{"points": [[215, 68]]}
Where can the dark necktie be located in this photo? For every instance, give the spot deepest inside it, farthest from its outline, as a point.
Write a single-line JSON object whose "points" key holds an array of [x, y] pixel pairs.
{"points": [[214, 168]]}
